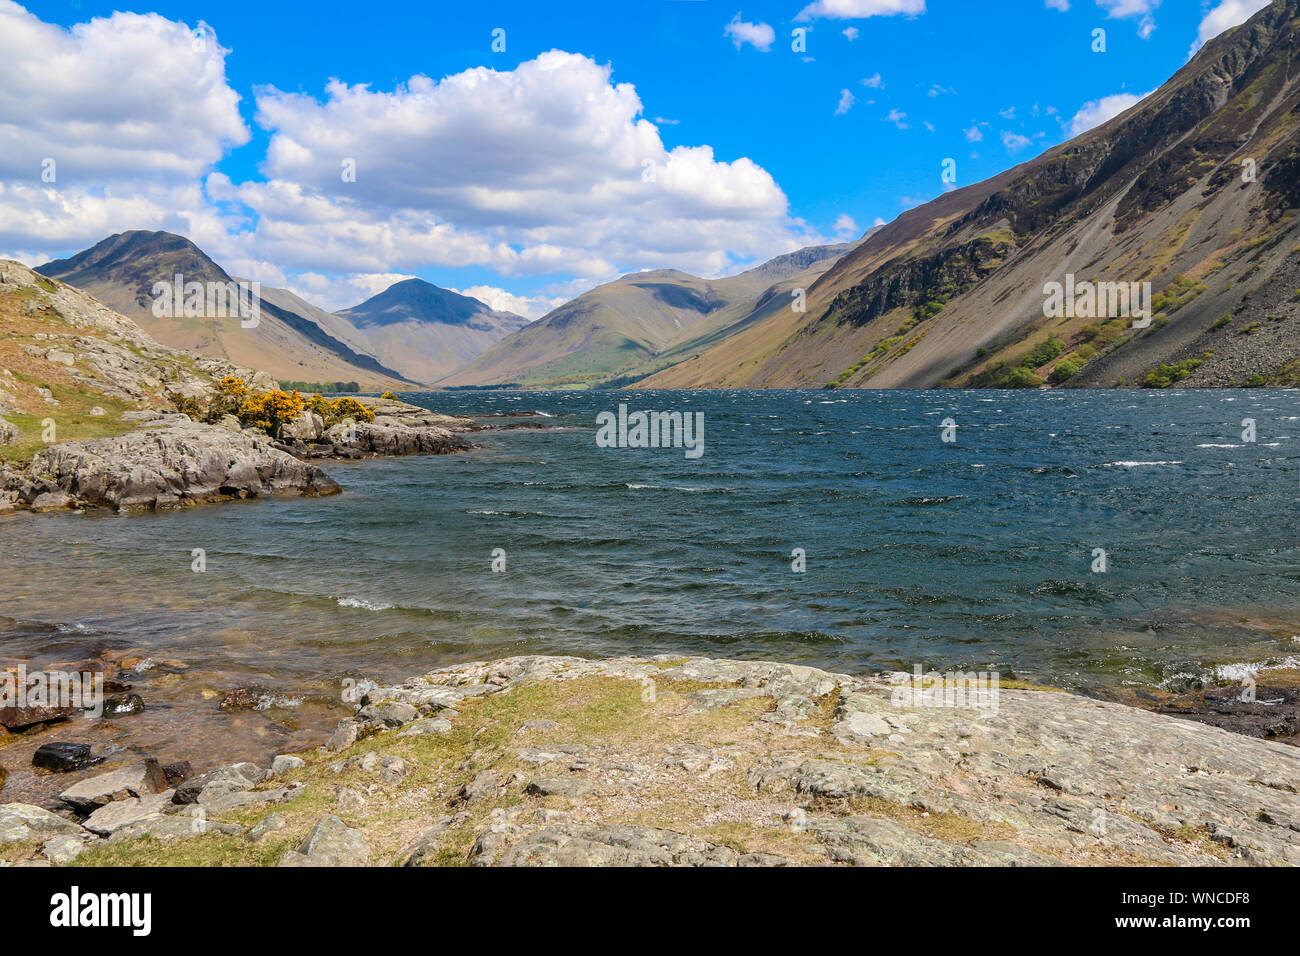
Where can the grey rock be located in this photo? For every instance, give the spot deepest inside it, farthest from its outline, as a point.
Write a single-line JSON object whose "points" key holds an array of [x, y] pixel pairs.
{"points": [[114, 816], [221, 781], [166, 828], [271, 824], [569, 844], [167, 462], [21, 821], [140, 779], [428, 725], [344, 736], [64, 849], [349, 799], [286, 763], [330, 843]]}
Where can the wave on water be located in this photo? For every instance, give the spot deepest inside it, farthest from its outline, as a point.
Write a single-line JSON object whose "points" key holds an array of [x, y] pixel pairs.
{"points": [[365, 605], [1138, 464]]}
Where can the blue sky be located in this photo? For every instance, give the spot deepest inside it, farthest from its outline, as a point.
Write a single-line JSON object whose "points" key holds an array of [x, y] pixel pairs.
{"points": [[531, 185]]}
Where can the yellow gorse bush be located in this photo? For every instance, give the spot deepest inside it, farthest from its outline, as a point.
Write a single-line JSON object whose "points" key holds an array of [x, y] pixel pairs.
{"points": [[270, 410]]}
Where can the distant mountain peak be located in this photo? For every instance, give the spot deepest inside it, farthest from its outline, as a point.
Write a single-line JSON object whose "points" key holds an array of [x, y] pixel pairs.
{"points": [[418, 300]]}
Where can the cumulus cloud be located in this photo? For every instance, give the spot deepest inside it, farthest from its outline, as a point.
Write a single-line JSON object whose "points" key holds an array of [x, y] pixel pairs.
{"points": [[897, 117], [1227, 14], [873, 82], [758, 35], [1096, 112], [1141, 10], [123, 97], [859, 9], [845, 227], [850, 33], [847, 99], [530, 307], [547, 167], [1062, 5], [973, 134], [1014, 142]]}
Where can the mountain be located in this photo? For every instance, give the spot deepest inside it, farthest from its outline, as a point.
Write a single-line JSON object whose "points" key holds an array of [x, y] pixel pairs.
{"points": [[122, 270], [422, 330], [1194, 189], [638, 323]]}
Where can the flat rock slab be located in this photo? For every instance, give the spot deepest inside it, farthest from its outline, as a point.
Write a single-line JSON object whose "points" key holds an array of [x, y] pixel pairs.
{"points": [[112, 817], [140, 779], [21, 821]]}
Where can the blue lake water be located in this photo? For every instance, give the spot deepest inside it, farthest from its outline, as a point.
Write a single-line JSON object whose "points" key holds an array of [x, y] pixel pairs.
{"points": [[976, 553]]}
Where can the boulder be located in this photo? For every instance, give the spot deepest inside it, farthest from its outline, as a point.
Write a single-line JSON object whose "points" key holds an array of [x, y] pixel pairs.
{"points": [[331, 842], [219, 782]]}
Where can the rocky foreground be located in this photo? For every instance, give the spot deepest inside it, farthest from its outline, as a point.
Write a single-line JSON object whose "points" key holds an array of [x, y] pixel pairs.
{"points": [[669, 761]]}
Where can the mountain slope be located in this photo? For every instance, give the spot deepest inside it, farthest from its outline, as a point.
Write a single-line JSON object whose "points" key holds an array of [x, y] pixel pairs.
{"points": [[953, 292], [424, 331], [122, 270], [635, 324]]}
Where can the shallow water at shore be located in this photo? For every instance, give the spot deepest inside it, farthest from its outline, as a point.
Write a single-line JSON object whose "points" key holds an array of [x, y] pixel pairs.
{"points": [[974, 554]]}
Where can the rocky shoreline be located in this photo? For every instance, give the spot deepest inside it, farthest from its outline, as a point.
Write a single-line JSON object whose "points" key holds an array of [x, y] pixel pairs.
{"points": [[171, 461], [693, 761]]}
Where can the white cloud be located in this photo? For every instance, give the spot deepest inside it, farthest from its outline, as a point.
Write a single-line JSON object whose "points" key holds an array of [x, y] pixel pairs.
{"points": [[846, 102], [873, 82], [1228, 14], [1062, 5], [973, 134], [1096, 112], [1014, 142], [845, 226], [124, 97], [859, 9], [1141, 10], [546, 169], [850, 33], [897, 117], [530, 307], [758, 35]]}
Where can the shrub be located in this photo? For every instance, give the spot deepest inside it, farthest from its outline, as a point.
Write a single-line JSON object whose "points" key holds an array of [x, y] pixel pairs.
{"points": [[1043, 353], [390, 396], [1162, 376], [347, 407], [1221, 322], [1065, 370], [1021, 377], [1256, 381], [270, 410]]}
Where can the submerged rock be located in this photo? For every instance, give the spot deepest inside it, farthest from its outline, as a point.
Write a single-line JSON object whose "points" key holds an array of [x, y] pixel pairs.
{"points": [[63, 757]]}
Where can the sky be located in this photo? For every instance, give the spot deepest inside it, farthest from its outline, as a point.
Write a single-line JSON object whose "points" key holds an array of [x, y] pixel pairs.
{"points": [[526, 152]]}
